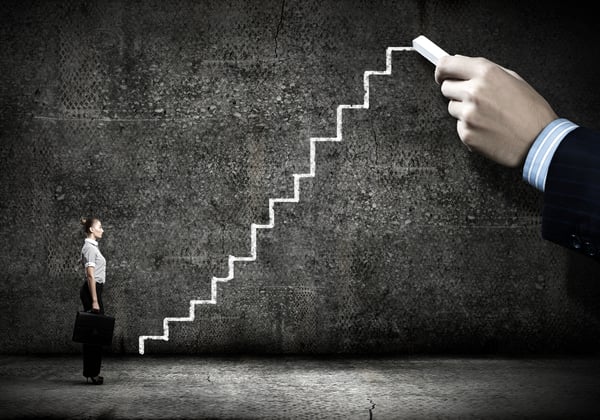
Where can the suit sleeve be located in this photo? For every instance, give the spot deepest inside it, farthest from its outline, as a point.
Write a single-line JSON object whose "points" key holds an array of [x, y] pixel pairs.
{"points": [[571, 213]]}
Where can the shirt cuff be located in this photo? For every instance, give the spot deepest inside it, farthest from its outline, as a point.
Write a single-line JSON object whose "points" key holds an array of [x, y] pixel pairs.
{"points": [[543, 148], [90, 264]]}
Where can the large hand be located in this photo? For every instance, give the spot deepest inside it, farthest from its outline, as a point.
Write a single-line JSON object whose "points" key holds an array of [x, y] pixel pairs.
{"points": [[499, 114]]}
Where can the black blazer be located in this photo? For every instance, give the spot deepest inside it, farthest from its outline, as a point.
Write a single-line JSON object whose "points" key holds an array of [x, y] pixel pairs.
{"points": [[571, 214]]}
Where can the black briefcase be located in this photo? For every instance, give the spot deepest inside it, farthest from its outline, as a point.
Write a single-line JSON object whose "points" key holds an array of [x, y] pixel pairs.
{"points": [[93, 328]]}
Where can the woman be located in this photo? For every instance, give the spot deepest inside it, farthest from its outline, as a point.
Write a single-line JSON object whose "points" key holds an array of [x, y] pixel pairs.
{"points": [[94, 266]]}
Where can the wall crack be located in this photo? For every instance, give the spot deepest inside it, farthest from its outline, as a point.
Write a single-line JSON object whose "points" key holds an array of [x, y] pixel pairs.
{"points": [[279, 25]]}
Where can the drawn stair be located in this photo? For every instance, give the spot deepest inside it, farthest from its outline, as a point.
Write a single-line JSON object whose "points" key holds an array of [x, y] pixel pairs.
{"points": [[296, 198]]}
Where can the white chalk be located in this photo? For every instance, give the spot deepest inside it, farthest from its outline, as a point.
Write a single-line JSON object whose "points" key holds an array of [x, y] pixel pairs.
{"points": [[428, 49]]}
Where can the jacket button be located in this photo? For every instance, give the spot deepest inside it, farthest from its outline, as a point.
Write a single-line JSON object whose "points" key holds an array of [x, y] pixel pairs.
{"points": [[575, 241], [589, 249]]}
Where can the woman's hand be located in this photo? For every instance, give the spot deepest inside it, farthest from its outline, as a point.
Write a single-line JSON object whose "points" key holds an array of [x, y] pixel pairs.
{"points": [[95, 307], [499, 115]]}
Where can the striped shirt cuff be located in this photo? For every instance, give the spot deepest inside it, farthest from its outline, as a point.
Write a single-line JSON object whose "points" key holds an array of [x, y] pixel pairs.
{"points": [[543, 148]]}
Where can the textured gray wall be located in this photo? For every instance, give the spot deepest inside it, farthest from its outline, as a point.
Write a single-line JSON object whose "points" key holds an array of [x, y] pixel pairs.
{"points": [[175, 122]]}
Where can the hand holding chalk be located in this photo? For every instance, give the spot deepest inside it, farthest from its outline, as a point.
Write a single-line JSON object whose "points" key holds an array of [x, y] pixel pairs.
{"points": [[498, 114]]}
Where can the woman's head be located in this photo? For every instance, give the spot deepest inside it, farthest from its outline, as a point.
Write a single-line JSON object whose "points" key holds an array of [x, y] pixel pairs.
{"points": [[92, 227]]}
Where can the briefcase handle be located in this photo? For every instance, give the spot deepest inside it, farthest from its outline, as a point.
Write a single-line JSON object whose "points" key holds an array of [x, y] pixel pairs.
{"points": [[91, 311]]}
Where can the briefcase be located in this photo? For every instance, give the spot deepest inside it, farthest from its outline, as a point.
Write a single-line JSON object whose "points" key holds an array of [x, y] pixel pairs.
{"points": [[93, 328]]}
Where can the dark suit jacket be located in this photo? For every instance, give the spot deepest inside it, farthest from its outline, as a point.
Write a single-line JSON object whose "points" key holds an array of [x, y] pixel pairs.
{"points": [[571, 215]]}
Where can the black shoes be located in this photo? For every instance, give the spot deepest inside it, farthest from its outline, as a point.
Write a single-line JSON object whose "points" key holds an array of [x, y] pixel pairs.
{"points": [[96, 380]]}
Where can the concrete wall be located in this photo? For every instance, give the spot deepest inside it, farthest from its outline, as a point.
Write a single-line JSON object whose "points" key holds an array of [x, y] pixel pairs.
{"points": [[175, 122]]}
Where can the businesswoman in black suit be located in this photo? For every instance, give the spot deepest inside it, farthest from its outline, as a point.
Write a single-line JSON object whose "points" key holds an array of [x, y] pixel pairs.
{"points": [[94, 266]]}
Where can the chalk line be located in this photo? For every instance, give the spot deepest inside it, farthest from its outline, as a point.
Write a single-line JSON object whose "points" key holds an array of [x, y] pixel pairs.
{"points": [[272, 201]]}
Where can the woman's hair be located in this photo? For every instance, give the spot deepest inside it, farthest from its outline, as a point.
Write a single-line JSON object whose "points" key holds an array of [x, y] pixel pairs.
{"points": [[87, 223]]}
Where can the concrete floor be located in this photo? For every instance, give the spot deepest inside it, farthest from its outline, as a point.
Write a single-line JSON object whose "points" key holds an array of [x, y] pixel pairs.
{"points": [[249, 387]]}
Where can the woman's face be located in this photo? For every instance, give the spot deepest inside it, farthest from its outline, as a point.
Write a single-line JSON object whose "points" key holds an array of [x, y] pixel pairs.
{"points": [[97, 230]]}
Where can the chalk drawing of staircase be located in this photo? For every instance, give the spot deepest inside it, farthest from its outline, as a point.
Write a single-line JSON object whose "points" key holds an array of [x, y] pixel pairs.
{"points": [[255, 227]]}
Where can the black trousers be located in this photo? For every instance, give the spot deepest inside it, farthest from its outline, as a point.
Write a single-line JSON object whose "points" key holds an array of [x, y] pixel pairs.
{"points": [[92, 355]]}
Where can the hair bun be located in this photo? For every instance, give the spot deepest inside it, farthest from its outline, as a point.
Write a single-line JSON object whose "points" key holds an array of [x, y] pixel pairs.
{"points": [[83, 221]]}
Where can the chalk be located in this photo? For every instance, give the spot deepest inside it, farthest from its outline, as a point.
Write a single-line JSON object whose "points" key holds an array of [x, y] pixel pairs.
{"points": [[428, 49]]}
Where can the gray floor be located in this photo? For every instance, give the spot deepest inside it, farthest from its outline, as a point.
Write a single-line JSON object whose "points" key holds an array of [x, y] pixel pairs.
{"points": [[247, 387]]}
